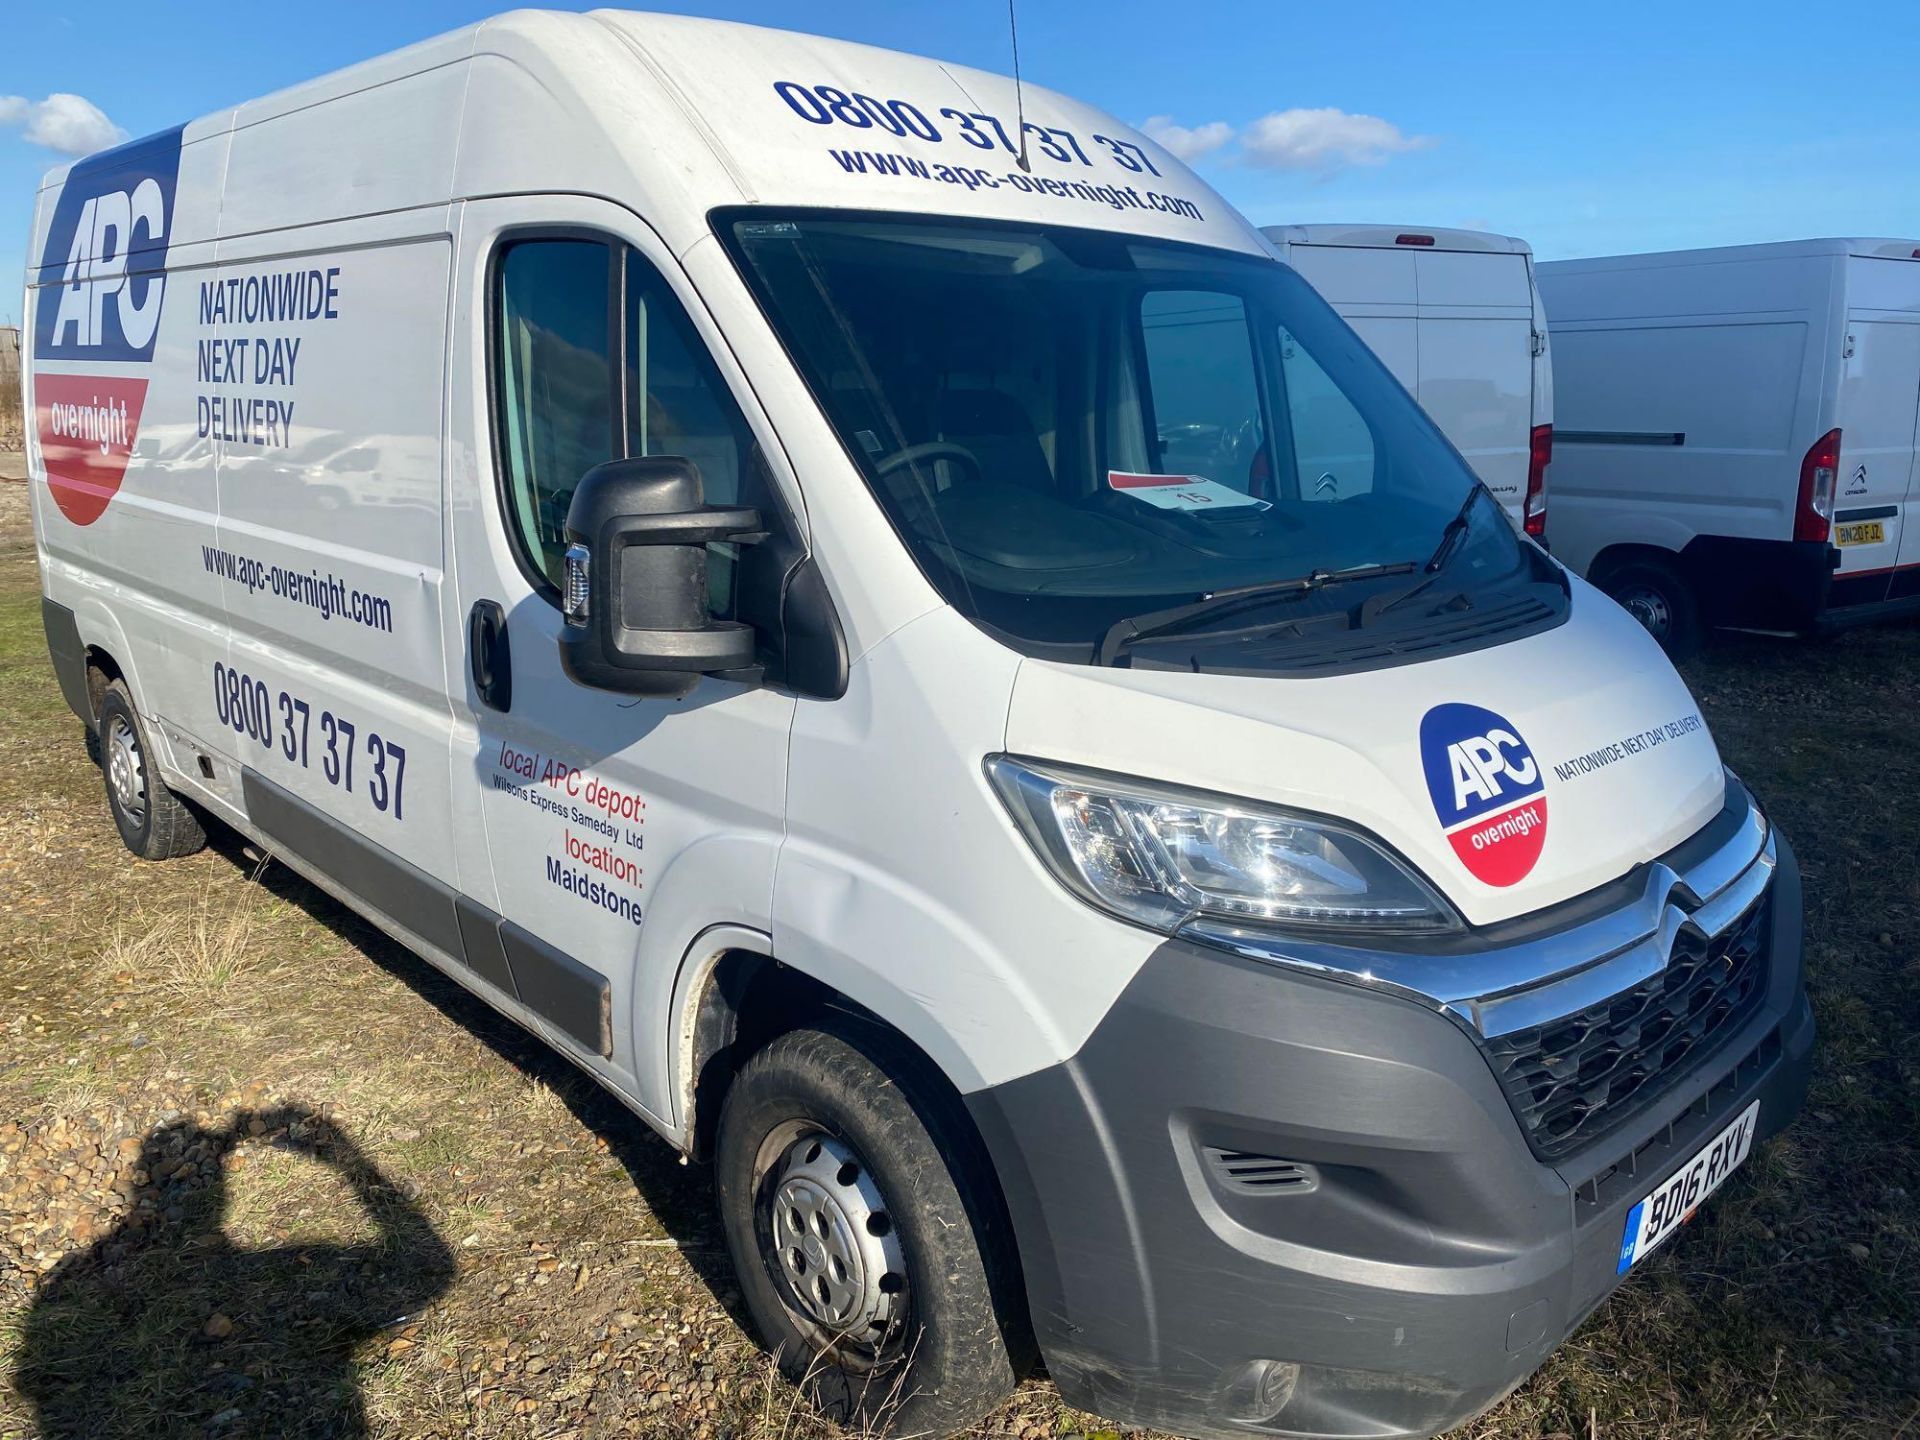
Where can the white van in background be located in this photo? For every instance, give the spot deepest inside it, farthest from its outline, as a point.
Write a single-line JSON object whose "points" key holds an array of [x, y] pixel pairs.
{"points": [[1457, 318], [829, 621], [1737, 441]]}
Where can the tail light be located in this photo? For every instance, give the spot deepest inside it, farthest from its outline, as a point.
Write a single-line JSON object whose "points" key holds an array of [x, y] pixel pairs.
{"points": [[1813, 512], [1539, 456]]}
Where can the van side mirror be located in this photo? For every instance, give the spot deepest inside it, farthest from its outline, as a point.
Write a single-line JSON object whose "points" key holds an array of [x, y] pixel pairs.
{"points": [[635, 603]]}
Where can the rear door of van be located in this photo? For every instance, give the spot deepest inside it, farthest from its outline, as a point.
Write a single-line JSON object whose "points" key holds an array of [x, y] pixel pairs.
{"points": [[1457, 329], [1476, 360], [1878, 412], [1375, 291]]}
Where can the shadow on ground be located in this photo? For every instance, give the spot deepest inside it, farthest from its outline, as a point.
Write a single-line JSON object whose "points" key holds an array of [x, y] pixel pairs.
{"points": [[165, 1327], [679, 1196]]}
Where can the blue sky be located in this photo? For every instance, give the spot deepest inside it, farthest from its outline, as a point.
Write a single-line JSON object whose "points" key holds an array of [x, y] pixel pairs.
{"points": [[1588, 130]]}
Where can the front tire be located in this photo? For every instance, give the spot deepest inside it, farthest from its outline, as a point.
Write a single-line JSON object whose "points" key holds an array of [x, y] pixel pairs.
{"points": [[868, 1245], [1655, 593], [154, 822]]}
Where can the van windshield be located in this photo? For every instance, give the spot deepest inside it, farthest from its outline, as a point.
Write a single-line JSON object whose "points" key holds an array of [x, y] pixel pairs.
{"points": [[1071, 428]]}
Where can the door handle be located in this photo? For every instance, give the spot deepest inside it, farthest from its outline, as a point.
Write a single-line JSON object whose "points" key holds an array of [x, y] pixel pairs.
{"points": [[489, 654]]}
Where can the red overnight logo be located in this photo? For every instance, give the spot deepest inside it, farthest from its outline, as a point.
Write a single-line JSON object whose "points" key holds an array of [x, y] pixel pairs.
{"points": [[1487, 791], [87, 426]]}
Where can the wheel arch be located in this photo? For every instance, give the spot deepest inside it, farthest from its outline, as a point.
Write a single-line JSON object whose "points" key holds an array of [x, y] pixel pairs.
{"points": [[1626, 552], [735, 997], [107, 654]]}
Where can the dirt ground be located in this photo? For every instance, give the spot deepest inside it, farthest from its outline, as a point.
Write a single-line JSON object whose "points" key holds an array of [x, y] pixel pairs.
{"points": [[262, 1172]]}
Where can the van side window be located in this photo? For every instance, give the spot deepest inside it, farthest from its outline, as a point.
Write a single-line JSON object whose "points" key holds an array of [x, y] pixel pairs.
{"points": [[556, 385], [677, 404], [564, 309], [1332, 446]]}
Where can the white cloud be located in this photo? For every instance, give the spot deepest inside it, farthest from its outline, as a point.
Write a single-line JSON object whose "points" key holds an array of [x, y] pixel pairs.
{"points": [[1185, 144], [71, 124], [1326, 139]]}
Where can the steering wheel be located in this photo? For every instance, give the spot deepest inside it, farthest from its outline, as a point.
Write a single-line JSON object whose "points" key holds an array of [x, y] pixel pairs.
{"points": [[930, 450]]}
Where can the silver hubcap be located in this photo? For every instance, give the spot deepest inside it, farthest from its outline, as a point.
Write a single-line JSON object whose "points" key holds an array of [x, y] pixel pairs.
{"points": [[1649, 607], [126, 772], [833, 1243]]}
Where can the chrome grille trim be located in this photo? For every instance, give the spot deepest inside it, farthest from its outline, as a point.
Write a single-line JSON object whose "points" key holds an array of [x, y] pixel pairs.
{"points": [[1542, 1003], [1501, 989]]}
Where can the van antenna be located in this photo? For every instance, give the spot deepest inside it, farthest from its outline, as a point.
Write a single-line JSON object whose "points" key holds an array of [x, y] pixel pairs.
{"points": [[1019, 96]]}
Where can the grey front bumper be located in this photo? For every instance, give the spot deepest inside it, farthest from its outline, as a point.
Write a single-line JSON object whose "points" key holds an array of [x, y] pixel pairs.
{"points": [[1403, 1261]]}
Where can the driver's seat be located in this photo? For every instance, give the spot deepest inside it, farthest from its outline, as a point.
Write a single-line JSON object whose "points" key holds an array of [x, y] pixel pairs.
{"points": [[995, 427]]}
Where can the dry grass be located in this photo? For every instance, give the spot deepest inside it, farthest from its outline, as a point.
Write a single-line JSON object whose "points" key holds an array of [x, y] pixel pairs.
{"points": [[583, 1290], [193, 951]]}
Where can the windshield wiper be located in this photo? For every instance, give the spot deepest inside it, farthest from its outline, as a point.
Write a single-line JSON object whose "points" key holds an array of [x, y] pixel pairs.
{"points": [[1456, 530], [1123, 633], [1451, 538]]}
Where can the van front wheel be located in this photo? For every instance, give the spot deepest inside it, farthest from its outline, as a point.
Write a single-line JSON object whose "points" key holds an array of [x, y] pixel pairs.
{"points": [[154, 822], [868, 1275], [1656, 594]]}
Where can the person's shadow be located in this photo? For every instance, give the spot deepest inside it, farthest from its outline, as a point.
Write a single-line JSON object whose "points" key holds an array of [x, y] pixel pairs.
{"points": [[165, 1327]]}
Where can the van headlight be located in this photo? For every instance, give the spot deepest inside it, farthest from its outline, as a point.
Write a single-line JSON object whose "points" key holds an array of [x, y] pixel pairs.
{"points": [[1163, 858]]}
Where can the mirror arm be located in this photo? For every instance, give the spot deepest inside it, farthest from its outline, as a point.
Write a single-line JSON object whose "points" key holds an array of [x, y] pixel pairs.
{"points": [[709, 525]]}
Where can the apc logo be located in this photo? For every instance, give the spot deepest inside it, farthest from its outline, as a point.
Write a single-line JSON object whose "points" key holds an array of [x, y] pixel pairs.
{"points": [[1487, 791], [101, 281]]}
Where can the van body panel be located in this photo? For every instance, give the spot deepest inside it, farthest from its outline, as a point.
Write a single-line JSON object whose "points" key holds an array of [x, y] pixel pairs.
{"points": [[539, 75], [1617, 469], [990, 966], [1456, 321], [1351, 746], [123, 602], [1694, 383], [284, 167], [343, 617]]}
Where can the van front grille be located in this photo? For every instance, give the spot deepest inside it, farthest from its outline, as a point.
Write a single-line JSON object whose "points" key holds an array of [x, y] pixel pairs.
{"points": [[1577, 1078]]}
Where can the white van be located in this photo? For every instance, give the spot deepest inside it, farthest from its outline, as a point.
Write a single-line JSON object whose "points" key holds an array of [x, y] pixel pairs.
{"points": [[1738, 439], [822, 616], [1457, 317]]}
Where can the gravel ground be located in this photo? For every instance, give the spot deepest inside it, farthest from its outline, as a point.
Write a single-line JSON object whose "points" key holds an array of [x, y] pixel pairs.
{"points": [[263, 1173]]}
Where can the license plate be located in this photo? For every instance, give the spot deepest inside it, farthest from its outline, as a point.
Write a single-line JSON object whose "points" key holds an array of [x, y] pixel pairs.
{"points": [[1664, 1211], [1863, 532]]}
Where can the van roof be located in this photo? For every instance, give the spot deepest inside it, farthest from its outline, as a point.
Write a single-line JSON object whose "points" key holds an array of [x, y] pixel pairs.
{"points": [[1879, 248], [1388, 237], [675, 116]]}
